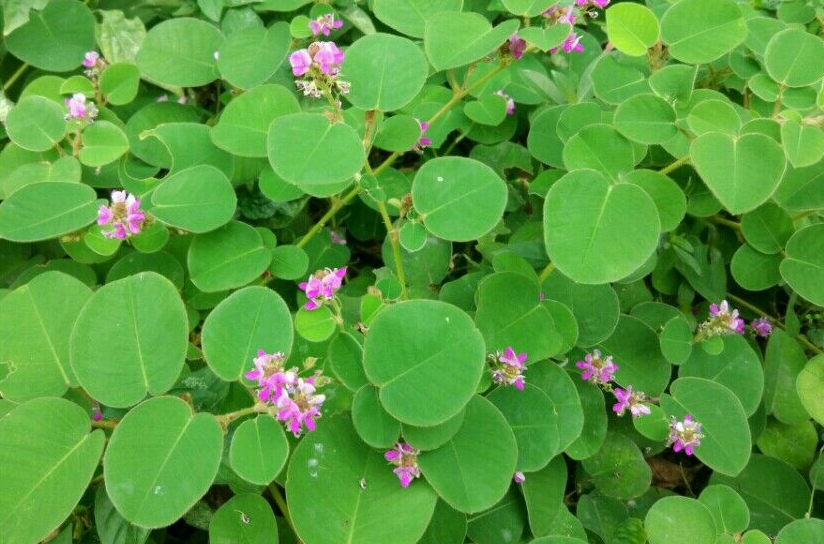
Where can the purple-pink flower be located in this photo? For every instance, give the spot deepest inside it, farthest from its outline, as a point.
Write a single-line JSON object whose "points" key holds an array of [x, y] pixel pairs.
{"points": [[325, 24], [722, 321], [597, 369], [79, 108], [630, 400], [97, 415], [270, 376], [571, 44], [124, 216], [320, 63], [598, 3], [322, 286], [405, 459], [90, 59], [509, 368], [510, 104], [298, 405], [684, 435], [423, 141], [519, 477], [762, 327], [516, 46], [301, 61]]}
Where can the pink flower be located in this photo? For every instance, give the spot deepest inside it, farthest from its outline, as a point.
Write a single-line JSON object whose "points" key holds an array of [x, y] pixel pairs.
{"points": [[762, 327], [630, 400], [684, 435], [301, 61], [423, 141], [405, 458], [79, 108], [517, 46], [510, 106], [519, 477], [328, 57], [322, 286], [299, 405], [124, 215], [571, 44], [97, 415], [722, 321], [597, 369], [599, 3], [509, 368], [337, 238], [325, 24], [90, 59], [270, 376]]}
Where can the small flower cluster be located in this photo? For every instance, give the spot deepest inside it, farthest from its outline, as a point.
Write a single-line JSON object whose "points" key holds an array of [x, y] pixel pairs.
{"points": [[600, 370], [124, 216], [516, 46], [324, 24], [320, 64], [722, 321], [296, 401], [80, 108], [510, 103], [423, 141], [761, 327], [559, 14], [405, 459], [322, 286], [94, 64], [508, 368], [684, 435]]}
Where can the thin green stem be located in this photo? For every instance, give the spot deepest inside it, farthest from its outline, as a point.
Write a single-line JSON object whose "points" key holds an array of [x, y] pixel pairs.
{"points": [[676, 165], [104, 424], [281, 502], [225, 419], [804, 214], [392, 233], [546, 272], [15, 76], [336, 206], [813, 478], [726, 222]]}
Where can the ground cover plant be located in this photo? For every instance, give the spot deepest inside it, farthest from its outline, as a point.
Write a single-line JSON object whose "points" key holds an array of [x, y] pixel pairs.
{"points": [[412, 271]]}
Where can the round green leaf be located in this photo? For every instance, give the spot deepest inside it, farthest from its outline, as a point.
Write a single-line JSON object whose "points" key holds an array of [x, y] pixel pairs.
{"points": [[345, 356], [426, 357], [742, 172], [259, 450], [701, 31], [152, 150], [412, 236], [545, 38], [130, 339], [795, 58], [251, 55], [645, 118], [803, 144], [34, 336], [783, 361], [802, 530], [430, 438], [803, 266], [543, 141], [119, 82], [410, 16], [753, 270], [489, 109], [447, 526], [197, 199], [726, 445], [47, 210], [397, 133], [161, 459], [632, 28], [527, 413], [309, 151], [728, 509], [460, 199], [596, 232], [315, 325], [668, 197], [228, 257], [372, 67], [103, 142], [618, 469], [47, 442], [373, 424], [680, 519], [594, 430], [289, 262], [767, 228], [180, 52], [455, 39], [676, 340], [614, 82], [189, 144], [713, 116], [243, 126], [36, 123], [335, 477], [794, 444], [473, 470], [595, 307], [56, 38], [252, 319], [245, 518], [810, 385], [601, 148]]}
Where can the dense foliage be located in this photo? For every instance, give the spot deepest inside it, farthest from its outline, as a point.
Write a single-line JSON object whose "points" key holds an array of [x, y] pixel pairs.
{"points": [[412, 271]]}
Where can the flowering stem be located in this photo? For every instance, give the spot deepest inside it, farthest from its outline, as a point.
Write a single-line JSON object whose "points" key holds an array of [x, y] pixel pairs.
{"points": [[225, 419], [800, 337], [392, 233], [15, 76], [676, 165], [546, 272], [336, 206]]}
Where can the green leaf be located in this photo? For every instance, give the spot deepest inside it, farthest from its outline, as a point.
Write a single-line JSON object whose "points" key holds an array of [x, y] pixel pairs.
{"points": [[41, 211], [506, 518], [130, 339], [150, 489], [426, 357], [668, 197], [252, 319], [410, 16], [618, 469], [676, 340], [594, 430], [259, 450], [103, 143], [632, 28], [460, 199], [810, 385], [447, 526], [793, 444], [16, 13], [767, 228], [397, 133], [803, 144], [315, 325], [545, 38], [36, 123], [345, 357], [544, 495], [430, 438], [784, 360], [34, 336], [753, 270], [701, 31], [111, 526], [726, 445], [250, 56], [489, 109], [56, 38], [601, 148], [613, 82], [473, 470], [119, 82], [309, 151], [47, 441], [680, 519], [227, 258], [527, 8], [728, 509], [742, 172], [596, 232], [119, 38], [803, 266], [245, 518], [802, 530], [795, 58], [372, 68], [189, 144], [375, 427], [152, 150], [244, 124], [357, 488], [595, 307], [456, 39], [645, 118], [197, 199], [180, 52], [713, 116]]}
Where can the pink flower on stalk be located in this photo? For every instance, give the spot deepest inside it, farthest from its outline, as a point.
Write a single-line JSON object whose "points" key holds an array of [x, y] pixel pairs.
{"points": [[79, 108], [97, 415], [124, 215], [762, 327], [519, 477], [270, 376], [405, 459], [320, 63], [90, 59], [510, 368], [298, 406], [510, 103], [597, 369], [684, 435], [729, 317], [322, 286], [571, 44], [516, 46], [630, 400], [325, 24], [301, 61], [423, 141]]}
